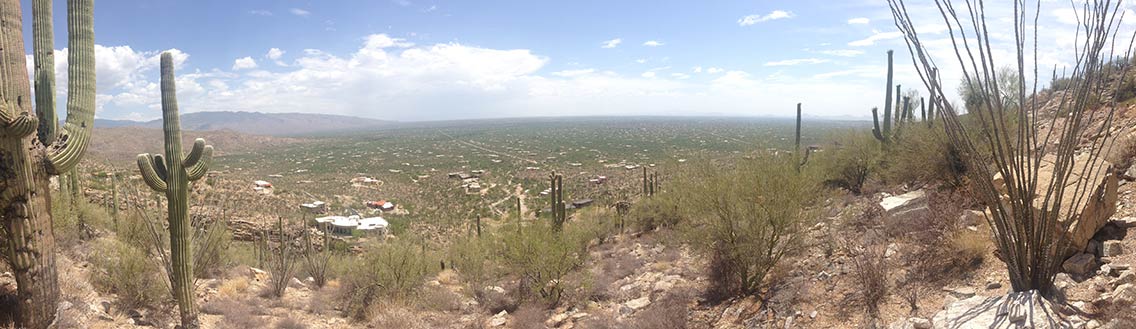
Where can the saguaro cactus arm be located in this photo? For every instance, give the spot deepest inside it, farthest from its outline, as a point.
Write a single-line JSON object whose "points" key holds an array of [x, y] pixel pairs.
{"points": [[68, 149], [198, 160], [150, 173], [44, 48]]}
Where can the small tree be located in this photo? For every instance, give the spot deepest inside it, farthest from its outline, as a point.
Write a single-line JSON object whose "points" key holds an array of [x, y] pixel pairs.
{"points": [[746, 219]]}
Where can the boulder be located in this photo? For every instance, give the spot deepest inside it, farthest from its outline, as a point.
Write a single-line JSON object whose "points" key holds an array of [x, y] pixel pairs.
{"points": [[1016, 310], [1124, 294], [910, 204], [1112, 249], [1088, 212], [1079, 264], [972, 217], [498, 319]]}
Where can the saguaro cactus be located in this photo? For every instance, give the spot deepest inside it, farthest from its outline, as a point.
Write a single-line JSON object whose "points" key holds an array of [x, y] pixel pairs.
{"points": [[32, 149], [172, 176], [559, 211], [883, 132]]}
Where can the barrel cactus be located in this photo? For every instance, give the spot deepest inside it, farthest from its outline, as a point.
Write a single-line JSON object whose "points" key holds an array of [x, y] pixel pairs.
{"points": [[172, 175]]}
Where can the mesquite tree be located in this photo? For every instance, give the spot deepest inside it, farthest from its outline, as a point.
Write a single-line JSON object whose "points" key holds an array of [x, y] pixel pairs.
{"points": [[32, 149], [172, 175], [1029, 214]]}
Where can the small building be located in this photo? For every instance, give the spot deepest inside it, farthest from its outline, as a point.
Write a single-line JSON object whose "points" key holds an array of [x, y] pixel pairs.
{"points": [[262, 184], [364, 180], [317, 207], [582, 203], [473, 188]]}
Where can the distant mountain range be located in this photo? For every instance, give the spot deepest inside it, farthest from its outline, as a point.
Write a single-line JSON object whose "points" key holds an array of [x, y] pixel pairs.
{"points": [[256, 123]]}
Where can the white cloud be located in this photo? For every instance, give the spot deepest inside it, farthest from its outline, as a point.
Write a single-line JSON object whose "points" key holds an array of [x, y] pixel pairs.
{"points": [[680, 76], [641, 60], [876, 36], [244, 63], [648, 74], [612, 43], [573, 73], [652, 43], [798, 61], [696, 69], [274, 54], [714, 70], [859, 20], [754, 19], [842, 52], [260, 12], [299, 12]]}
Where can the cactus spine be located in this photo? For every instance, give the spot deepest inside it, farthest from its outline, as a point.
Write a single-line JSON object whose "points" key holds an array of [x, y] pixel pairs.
{"points": [[32, 149], [172, 176], [559, 211]]}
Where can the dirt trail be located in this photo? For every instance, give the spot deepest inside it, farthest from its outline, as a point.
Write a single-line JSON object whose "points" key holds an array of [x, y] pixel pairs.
{"points": [[479, 147]]}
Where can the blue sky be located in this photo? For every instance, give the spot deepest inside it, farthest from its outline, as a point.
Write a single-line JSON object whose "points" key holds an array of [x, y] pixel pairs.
{"points": [[440, 60]]}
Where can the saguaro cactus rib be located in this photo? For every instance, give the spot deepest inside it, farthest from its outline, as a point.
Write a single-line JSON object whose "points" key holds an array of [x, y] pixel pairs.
{"points": [[172, 177]]}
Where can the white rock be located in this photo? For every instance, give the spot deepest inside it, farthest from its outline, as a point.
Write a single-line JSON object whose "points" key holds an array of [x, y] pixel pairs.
{"points": [[994, 312], [961, 292], [910, 203], [1124, 294], [920, 323], [638, 303]]}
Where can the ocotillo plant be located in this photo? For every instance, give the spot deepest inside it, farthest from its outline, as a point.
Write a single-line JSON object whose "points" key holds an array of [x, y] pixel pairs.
{"points": [[883, 131], [281, 262], [172, 175], [316, 260], [559, 213], [32, 149]]}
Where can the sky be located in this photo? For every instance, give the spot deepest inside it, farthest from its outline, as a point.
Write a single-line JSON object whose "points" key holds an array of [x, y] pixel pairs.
{"points": [[413, 60]]}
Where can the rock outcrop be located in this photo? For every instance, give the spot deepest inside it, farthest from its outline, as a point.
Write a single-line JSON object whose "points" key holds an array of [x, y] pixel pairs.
{"points": [[1090, 209], [1016, 310]]}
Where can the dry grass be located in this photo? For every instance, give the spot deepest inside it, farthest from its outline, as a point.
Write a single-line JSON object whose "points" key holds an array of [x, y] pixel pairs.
{"points": [[236, 313], [290, 323], [233, 288], [437, 298]]}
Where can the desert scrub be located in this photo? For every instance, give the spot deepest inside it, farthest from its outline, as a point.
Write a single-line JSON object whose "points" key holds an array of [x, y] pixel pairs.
{"points": [[924, 155], [387, 271], [661, 210], [128, 272], [744, 219], [542, 258], [854, 158]]}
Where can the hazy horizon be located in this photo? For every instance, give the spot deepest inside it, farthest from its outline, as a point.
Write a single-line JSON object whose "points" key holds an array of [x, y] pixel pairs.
{"points": [[409, 60]]}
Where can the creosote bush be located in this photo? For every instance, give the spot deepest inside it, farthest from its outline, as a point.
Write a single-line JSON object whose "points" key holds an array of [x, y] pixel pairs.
{"points": [[854, 158], [543, 258], [386, 271], [923, 155], [128, 272], [745, 219]]}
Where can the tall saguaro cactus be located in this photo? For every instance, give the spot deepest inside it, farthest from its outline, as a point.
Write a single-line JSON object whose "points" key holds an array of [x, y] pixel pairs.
{"points": [[172, 176], [559, 211], [32, 149], [883, 132]]}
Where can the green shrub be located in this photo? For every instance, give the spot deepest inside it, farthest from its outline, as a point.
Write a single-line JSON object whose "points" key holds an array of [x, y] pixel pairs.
{"points": [[854, 158], [923, 155], [127, 271], [657, 211], [745, 219], [543, 258], [390, 270]]}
